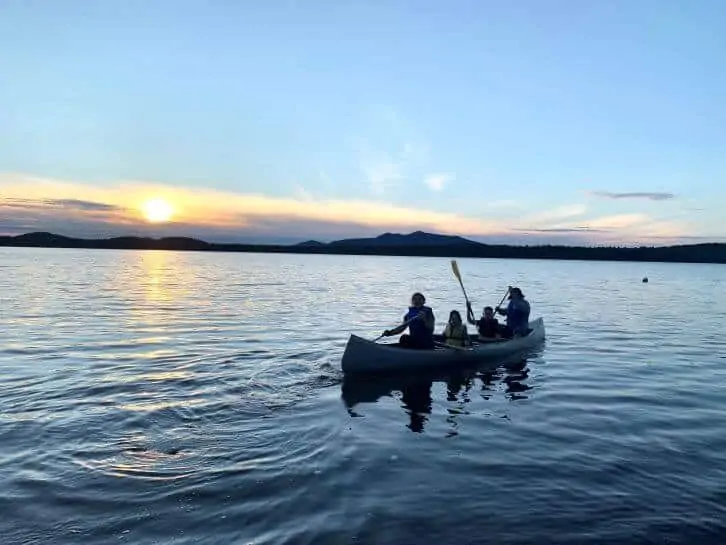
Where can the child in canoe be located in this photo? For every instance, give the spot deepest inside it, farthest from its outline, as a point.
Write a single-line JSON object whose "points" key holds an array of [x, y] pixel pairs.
{"points": [[487, 326], [455, 333]]}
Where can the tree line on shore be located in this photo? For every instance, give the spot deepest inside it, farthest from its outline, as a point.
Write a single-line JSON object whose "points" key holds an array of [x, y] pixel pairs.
{"points": [[416, 244]]}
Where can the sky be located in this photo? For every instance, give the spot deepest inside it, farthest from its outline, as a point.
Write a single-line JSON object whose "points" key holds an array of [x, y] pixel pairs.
{"points": [[284, 120]]}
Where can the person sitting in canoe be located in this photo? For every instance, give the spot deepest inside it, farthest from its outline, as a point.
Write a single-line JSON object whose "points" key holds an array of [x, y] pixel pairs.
{"points": [[420, 322], [487, 326], [517, 313], [455, 333]]}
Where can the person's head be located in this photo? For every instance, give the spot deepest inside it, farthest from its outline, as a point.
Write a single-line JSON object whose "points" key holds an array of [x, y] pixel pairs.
{"points": [[516, 293], [455, 318], [418, 300], [488, 313]]}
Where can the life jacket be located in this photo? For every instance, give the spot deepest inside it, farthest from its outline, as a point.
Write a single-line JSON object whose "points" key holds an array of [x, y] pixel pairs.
{"points": [[488, 328], [420, 335], [455, 335]]}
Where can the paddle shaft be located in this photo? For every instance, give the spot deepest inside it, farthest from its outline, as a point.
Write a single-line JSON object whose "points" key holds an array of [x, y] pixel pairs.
{"points": [[404, 323], [444, 345], [503, 298], [457, 273]]}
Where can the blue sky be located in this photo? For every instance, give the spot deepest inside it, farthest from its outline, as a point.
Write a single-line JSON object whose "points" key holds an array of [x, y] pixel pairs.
{"points": [[559, 121]]}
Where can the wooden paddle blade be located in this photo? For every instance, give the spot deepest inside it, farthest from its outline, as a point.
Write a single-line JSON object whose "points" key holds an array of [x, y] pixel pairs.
{"points": [[455, 268]]}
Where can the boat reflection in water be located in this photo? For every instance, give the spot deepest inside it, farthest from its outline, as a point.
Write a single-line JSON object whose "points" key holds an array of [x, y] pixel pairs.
{"points": [[415, 389]]}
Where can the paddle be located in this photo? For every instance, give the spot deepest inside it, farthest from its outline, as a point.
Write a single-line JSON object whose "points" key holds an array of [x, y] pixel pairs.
{"points": [[444, 345], [509, 288], [404, 323], [469, 312], [457, 274]]}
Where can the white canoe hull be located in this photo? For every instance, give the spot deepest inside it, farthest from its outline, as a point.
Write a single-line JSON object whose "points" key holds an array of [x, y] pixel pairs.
{"points": [[364, 356]]}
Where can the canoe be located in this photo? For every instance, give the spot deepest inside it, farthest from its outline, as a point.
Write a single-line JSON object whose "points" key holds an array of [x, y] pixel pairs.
{"points": [[364, 356]]}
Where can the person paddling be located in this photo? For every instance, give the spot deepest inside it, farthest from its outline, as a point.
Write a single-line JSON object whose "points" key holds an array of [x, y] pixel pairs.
{"points": [[487, 326], [517, 313], [420, 322]]}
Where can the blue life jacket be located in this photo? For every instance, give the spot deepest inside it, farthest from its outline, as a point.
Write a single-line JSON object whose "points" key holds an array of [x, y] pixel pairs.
{"points": [[518, 315], [420, 335]]}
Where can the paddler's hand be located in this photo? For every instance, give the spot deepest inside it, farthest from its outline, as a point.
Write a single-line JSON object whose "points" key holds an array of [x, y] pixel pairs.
{"points": [[387, 333], [500, 311]]}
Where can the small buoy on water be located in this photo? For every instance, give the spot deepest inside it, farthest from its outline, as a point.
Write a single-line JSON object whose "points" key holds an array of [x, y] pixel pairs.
{"points": [[645, 280]]}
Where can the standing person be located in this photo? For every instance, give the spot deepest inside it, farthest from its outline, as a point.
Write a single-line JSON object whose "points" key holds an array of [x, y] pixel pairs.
{"points": [[517, 313], [420, 322]]}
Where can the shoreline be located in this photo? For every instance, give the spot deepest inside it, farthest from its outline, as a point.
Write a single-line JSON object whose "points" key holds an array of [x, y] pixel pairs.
{"points": [[708, 253]]}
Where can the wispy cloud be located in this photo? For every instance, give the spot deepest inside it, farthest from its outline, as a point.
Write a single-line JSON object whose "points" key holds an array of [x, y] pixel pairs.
{"points": [[388, 149], [302, 194], [436, 182], [226, 210], [69, 204], [651, 196], [30, 203], [381, 168], [556, 214], [583, 229]]}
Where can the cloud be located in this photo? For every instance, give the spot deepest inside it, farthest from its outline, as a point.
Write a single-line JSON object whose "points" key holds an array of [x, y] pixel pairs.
{"points": [[436, 182], [651, 196], [302, 194], [562, 230], [226, 210], [78, 209], [71, 204], [557, 214], [380, 168], [388, 149]]}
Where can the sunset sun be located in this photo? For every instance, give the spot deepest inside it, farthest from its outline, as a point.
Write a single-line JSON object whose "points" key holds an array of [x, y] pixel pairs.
{"points": [[157, 210]]}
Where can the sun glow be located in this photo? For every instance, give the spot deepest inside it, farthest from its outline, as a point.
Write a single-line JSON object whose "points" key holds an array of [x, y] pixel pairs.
{"points": [[157, 210]]}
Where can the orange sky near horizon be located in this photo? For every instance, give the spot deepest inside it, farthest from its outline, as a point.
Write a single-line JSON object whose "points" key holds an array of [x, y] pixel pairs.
{"points": [[123, 204]]}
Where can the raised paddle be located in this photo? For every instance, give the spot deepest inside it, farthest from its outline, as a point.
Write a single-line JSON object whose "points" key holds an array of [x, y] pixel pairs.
{"points": [[457, 274], [509, 288]]}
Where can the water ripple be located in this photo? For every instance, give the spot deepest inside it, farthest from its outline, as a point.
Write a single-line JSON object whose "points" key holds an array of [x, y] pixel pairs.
{"points": [[161, 397]]}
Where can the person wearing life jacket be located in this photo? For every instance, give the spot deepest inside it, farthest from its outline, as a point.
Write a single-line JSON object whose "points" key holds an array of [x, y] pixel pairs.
{"points": [[420, 322], [487, 326], [455, 333], [517, 313]]}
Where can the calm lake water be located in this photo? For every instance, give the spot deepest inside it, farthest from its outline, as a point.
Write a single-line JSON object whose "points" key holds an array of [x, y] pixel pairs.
{"points": [[160, 397]]}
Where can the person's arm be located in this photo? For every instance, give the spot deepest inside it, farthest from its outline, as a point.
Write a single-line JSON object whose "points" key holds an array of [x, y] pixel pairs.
{"points": [[504, 311], [400, 328], [395, 331]]}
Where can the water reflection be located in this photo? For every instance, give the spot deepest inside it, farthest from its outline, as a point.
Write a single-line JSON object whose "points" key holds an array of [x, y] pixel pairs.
{"points": [[417, 402], [416, 390], [152, 288]]}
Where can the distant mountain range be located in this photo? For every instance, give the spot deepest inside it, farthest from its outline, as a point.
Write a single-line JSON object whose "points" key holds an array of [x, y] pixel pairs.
{"points": [[417, 238], [417, 243]]}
